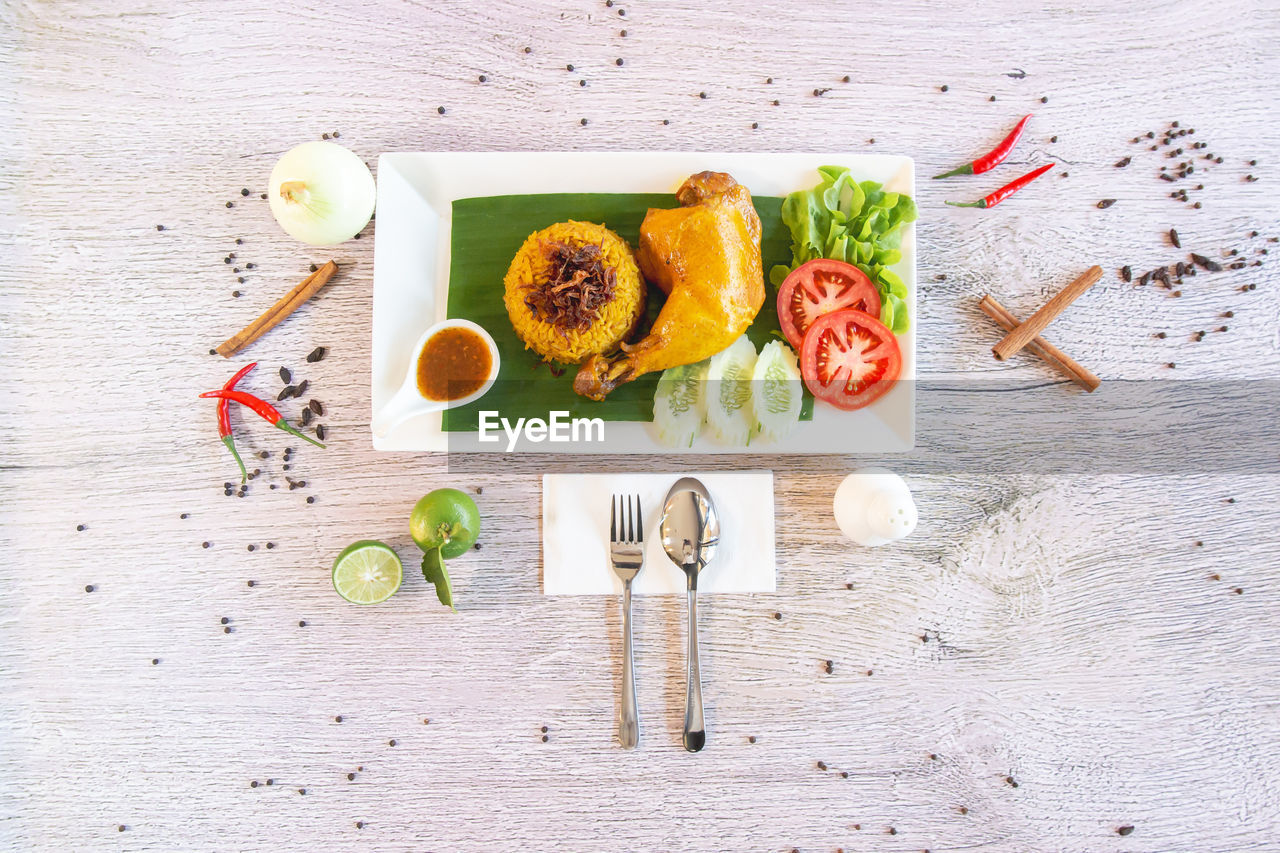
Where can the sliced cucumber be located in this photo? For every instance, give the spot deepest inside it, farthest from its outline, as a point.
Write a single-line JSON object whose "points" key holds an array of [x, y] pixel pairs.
{"points": [[729, 412], [679, 403], [777, 390]]}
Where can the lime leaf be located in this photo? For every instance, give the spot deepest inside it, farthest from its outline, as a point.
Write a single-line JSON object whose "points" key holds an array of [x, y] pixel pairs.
{"points": [[433, 569]]}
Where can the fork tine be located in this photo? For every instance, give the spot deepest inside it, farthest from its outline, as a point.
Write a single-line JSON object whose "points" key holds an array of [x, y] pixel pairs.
{"points": [[639, 522], [613, 527], [631, 531]]}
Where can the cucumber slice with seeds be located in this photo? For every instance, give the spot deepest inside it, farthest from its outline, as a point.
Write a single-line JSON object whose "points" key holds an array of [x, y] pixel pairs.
{"points": [[729, 412], [777, 391], [679, 403]]}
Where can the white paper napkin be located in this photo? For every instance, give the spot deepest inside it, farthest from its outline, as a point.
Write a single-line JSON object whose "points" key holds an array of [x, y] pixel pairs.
{"points": [[575, 533]]}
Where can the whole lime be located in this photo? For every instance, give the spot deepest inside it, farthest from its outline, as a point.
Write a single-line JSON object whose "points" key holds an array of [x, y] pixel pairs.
{"points": [[447, 519]]}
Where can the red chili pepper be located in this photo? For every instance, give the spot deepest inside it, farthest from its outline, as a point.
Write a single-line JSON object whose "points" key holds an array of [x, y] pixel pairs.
{"points": [[989, 161], [262, 408], [1005, 191], [224, 418]]}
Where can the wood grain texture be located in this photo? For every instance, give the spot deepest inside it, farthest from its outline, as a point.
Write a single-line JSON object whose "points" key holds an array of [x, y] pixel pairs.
{"points": [[1054, 626]]}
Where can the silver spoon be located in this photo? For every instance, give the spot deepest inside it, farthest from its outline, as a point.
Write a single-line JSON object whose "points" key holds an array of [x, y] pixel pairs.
{"points": [[690, 535]]}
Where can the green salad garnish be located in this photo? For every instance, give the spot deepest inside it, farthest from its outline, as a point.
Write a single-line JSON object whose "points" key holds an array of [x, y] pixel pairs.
{"points": [[858, 223]]}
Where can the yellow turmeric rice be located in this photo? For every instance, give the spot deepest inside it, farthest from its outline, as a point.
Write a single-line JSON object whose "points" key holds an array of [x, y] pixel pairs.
{"points": [[574, 290]]}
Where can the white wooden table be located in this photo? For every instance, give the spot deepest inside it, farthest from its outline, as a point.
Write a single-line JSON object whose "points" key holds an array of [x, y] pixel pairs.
{"points": [[1048, 660]]}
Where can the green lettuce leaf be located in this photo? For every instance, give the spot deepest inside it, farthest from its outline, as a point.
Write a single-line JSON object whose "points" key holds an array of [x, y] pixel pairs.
{"points": [[856, 222]]}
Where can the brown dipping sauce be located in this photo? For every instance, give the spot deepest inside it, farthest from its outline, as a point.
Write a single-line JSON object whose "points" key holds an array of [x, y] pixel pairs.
{"points": [[455, 363]]}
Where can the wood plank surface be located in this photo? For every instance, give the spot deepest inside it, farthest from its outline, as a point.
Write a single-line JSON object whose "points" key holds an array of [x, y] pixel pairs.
{"points": [[1079, 638]]}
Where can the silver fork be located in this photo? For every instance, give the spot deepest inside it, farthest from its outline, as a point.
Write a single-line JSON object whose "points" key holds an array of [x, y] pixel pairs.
{"points": [[626, 552]]}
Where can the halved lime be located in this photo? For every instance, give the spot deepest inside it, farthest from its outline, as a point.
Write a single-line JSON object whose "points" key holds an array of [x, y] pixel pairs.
{"points": [[367, 572]]}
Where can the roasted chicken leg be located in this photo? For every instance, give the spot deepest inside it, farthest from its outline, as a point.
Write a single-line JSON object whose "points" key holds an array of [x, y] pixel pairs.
{"points": [[705, 255]]}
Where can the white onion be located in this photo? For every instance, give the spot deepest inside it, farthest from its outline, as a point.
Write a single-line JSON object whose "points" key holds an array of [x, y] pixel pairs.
{"points": [[321, 193]]}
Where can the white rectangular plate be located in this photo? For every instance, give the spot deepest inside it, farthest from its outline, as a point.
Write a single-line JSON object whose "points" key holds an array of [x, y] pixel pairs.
{"points": [[416, 192], [575, 533]]}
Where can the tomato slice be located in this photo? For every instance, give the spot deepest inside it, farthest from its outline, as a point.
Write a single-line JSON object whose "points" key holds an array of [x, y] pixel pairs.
{"points": [[819, 287], [849, 359]]}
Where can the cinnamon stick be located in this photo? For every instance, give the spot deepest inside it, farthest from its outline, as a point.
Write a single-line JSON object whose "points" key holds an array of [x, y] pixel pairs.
{"points": [[1058, 359], [1019, 337], [288, 303]]}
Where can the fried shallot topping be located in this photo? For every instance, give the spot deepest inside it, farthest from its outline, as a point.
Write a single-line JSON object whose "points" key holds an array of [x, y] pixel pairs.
{"points": [[579, 285]]}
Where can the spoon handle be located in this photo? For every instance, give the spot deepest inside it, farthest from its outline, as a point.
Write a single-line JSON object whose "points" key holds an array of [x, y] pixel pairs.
{"points": [[628, 715], [695, 734]]}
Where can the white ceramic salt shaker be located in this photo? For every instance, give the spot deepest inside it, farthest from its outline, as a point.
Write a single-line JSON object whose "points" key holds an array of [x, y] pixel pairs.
{"points": [[873, 506]]}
